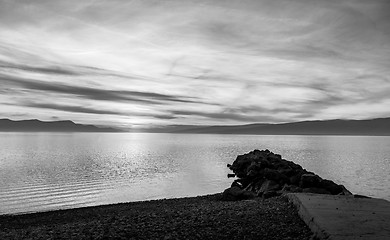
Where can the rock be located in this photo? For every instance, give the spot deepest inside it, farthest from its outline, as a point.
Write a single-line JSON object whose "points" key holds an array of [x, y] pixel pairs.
{"points": [[262, 171], [236, 193], [248, 195], [272, 174], [315, 190], [295, 179], [249, 187], [257, 184], [291, 188], [232, 193], [287, 171], [309, 180], [331, 187], [270, 194], [268, 185], [274, 157], [360, 196], [255, 166], [240, 166], [345, 191], [236, 183], [264, 163], [253, 173]]}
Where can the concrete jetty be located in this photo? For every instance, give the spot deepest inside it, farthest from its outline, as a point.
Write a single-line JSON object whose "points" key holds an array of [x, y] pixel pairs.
{"points": [[336, 217]]}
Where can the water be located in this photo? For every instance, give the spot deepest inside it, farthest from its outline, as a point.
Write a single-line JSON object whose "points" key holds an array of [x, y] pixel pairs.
{"points": [[46, 171]]}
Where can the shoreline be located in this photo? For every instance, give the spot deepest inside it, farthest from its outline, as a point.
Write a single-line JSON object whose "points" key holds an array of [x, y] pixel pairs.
{"points": [[201, 217], [214, 195]]}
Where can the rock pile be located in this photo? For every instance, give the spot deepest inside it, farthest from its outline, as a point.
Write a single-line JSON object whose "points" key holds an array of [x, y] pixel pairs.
{"points": [[266, 174]]}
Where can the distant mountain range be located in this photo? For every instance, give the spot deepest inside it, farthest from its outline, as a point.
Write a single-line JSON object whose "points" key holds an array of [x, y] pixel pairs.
{"points": [[7, 125], [372, 127]]}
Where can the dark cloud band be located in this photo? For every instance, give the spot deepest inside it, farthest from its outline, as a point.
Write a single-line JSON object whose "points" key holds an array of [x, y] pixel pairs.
{"points": [[92, 93]]}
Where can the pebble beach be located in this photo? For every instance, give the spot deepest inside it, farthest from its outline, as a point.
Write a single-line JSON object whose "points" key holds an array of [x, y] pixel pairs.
{"points": [[203, 217]]}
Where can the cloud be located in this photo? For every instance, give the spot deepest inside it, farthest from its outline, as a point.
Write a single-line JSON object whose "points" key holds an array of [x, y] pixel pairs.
{"points": [[89, 110], [56, 70], [196, 62], [77, 109], [229, 116], [92, 93]]}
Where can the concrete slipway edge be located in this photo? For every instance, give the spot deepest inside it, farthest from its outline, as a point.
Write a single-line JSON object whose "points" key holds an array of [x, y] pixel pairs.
{"points": [[343, 217]]}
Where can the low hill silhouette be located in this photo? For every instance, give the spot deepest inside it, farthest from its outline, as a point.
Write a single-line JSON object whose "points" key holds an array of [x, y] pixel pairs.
{"points": [[34, 125], [372, 127]]}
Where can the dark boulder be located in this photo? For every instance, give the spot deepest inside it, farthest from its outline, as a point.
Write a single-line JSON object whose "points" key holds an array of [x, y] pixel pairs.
{"points": [[291, 188], [270, 194], [360, 196], [235, 193], [272, 174], [268, 174], [310, 180], [268, 185], [315, 190], [295, 179], [286, 171], [345, 191], [330, 186]]}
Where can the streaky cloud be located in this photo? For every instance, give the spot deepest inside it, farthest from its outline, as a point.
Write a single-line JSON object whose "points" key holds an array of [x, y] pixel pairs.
{"points": [[91, 110], [67, 108], [92, 93], [228, 116], [56, 70], [196, 62]]}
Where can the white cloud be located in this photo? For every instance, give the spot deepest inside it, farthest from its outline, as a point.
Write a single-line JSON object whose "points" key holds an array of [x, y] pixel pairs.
{"points": [[287, 60]]}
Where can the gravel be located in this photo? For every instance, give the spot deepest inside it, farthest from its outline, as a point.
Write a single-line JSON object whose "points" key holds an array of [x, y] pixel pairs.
{"points": [[203, 217]]}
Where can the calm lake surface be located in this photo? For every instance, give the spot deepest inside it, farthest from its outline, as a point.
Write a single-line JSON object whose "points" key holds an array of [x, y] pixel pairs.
{"points": [[45, 171]]}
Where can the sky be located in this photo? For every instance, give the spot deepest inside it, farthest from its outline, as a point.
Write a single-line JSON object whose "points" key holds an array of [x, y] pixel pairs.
{"points": [[144, 63]]}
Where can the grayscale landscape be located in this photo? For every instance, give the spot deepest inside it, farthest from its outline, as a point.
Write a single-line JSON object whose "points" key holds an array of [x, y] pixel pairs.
{"points": [[184, 119]]}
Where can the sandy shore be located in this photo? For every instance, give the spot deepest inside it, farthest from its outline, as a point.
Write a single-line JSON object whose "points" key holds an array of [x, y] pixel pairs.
{"points": [[202, 217]]}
